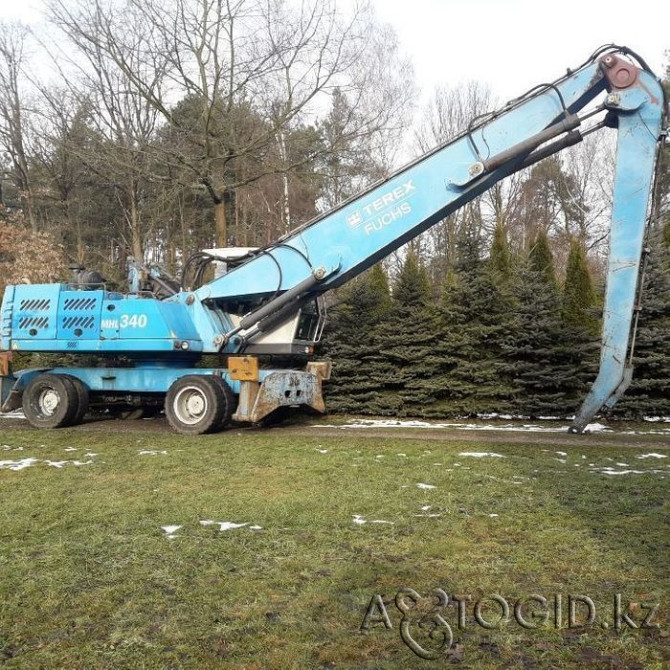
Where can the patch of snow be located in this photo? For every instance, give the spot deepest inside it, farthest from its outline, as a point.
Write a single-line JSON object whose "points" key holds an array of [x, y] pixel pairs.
{"points": [[18, 465], [226, 525], [321, 451], [170, 531], [493, 516], [70, 449], [494, 415], [527, 427], [426, 487], [480, 454], [27, 462], [151, 452], [425, 508], [359, 520], [651, 455], [403, 455], [611, 471], [56, 464], [561, 453], [255, 527], [229, 525], [595, 428], [16, 414]]}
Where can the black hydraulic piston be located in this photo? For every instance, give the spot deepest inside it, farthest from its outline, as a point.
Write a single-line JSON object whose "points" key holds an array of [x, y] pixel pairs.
{"points": [[275, 305], [570, 122]]}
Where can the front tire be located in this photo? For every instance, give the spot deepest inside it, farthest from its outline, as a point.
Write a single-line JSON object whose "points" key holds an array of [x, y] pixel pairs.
{"points": [[82, 399], [197, 404], [50, 401]]}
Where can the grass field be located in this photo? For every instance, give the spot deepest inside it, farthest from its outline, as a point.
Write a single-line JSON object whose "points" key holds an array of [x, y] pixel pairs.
{"points": [[91, 579]]}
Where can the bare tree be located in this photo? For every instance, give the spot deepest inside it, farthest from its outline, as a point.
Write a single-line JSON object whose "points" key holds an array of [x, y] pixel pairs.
{"points": [[13, 111], [448, 114], [227, 78]]}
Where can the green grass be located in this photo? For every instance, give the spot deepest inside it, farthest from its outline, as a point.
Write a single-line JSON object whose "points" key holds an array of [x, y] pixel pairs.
{"points": [[89, 579]]}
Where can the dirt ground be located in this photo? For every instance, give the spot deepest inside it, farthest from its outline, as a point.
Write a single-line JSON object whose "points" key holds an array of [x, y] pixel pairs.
{"points": [[323, 428]]}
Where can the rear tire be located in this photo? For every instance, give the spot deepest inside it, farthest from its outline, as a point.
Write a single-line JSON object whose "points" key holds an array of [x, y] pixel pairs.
{"points": [[50, 401], [197, 404]]}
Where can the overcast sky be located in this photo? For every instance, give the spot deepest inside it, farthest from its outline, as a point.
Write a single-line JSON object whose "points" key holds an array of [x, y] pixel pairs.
{"points": [[510, 44], [515, 44]]}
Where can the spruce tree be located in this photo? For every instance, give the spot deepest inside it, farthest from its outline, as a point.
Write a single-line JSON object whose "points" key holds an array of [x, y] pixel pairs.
{"points": [[349, 340], [580, 318], [406, 342], [649, 393], [471, 375], [542, 357]]}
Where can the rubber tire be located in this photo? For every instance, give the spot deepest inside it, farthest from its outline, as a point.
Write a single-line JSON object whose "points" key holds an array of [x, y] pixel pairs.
{"points": [[230, 403], [82, 399], [214, 414], [67, 407]]}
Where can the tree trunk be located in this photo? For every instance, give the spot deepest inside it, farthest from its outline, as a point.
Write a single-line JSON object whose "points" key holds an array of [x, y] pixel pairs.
{"points": [[220, 222], [136, 236]]}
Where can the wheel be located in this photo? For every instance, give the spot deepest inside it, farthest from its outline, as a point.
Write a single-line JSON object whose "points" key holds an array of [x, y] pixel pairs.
{"points": [[229, 403], [82, 399], [197, 404], [50, 401]]}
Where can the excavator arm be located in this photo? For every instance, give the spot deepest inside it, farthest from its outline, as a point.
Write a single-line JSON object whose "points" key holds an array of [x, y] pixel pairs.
{"points": [[332, 249], [267, 300], [640, 113]]}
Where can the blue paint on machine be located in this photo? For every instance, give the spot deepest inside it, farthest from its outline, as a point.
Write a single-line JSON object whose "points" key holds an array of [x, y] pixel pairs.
{"points": [[149, 342]]}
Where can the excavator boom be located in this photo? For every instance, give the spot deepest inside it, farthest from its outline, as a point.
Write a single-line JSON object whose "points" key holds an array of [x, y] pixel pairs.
{"points": [[264, 301]]}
